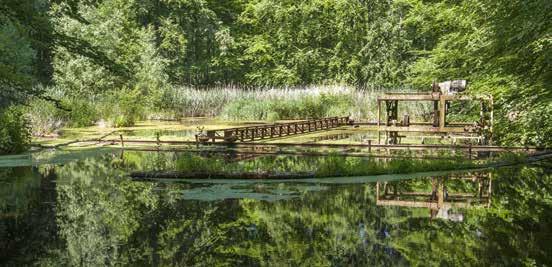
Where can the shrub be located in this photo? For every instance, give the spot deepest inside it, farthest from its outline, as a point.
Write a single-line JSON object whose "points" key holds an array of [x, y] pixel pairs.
{"points": [[122, 108], [82, 113], [527, 127], [44, 117], [15, 131]]}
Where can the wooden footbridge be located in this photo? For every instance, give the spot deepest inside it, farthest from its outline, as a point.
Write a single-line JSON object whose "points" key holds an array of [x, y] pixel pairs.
{"points": [[260, 132]]}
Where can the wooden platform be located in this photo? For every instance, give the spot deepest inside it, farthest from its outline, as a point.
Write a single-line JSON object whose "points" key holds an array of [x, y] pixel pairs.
{"points": [[260, 132]]}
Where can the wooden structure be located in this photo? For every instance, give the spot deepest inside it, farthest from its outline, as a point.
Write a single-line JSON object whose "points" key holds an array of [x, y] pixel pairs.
{"points": [[260, 132], [392, 126], [439, 201]]}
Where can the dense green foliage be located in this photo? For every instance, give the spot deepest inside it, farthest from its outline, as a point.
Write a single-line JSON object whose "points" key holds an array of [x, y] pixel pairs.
{"points": [[15, 133], [503, 47], [84, 56]]}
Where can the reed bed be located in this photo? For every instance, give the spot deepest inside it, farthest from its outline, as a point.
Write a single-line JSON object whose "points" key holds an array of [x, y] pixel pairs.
{"points": [[235, 103]]}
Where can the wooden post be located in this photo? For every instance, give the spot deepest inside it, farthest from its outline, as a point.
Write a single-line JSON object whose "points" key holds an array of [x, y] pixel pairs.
{"points": [[442, 112], [158, 138], [441, 193], [122, 141], [379, 121], [369, 146], [490, 192], [492, 118], [377, 190]]}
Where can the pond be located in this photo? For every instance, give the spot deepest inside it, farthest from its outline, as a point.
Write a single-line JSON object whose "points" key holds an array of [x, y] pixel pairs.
{"points": [[63, 209]]}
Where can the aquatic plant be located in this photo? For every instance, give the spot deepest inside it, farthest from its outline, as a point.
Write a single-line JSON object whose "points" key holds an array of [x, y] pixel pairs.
{"points": [[327, 166]]}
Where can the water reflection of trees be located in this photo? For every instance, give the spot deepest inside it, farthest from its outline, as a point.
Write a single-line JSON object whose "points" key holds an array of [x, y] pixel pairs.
{"points": [[339, 226], [514, 231], [98, 210], [336, 227], [27, 215], [104, 218]]}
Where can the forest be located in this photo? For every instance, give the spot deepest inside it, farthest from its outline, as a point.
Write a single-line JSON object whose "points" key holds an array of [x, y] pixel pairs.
{"points": [[76, 63], [244, 133]]}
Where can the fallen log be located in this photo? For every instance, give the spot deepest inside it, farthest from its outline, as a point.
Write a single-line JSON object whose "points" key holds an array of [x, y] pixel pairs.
{"points": [[219, 175]]}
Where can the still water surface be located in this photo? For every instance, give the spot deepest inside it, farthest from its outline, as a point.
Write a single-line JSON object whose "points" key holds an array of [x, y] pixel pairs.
{"points": [[88, 212]]}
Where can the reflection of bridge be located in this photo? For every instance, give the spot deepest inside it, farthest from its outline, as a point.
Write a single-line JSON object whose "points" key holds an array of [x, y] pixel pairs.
{"points": [[439, 200]]}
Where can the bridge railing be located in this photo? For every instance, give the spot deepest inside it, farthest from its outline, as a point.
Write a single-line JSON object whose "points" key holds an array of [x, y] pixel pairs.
{"points": [[259, 132]]}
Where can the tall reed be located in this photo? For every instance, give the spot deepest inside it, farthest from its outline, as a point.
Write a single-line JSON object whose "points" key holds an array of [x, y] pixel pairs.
{"points": [[235, 103]]}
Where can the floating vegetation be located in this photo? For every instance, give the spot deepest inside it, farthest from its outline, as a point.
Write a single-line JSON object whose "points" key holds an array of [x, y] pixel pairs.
{"points": [[278, 167]]}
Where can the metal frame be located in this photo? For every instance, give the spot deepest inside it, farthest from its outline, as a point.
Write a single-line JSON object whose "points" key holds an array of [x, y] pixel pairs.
{"points": [[392, 126]]}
